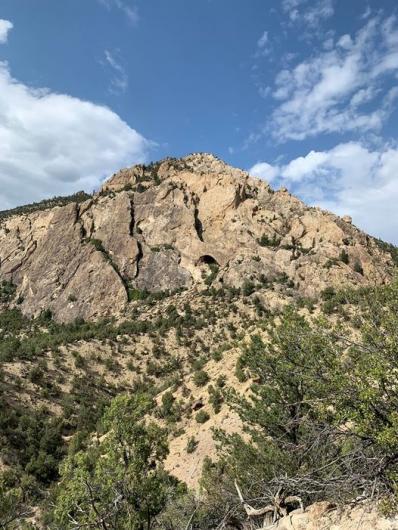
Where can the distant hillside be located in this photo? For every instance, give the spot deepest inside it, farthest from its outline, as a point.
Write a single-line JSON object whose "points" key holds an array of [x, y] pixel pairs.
{"points": [[45, 204]]}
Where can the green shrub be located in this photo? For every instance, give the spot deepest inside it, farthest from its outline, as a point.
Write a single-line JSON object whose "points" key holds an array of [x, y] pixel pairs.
{"points": [[167, 407], [202, 416], [221, 381], [192, 444], [111, 364], [308, 303], [7, 291], [137, 294], [215, 398], [80, 361], [217, 355], [129, 459], [200, 378], [266, 241], [248, 288], [358, 267], [344, 257], [198, 363], [214, 268], [36, 375], [97, 244], [329, 307], [391, 249], [239, 371], [328, 293]]}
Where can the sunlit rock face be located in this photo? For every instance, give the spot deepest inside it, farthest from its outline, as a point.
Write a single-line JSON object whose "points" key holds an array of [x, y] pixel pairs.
{"points": [[168, 226]]}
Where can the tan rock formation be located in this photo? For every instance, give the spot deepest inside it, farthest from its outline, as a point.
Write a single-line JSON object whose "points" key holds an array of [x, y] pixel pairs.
{"points": [[165, 226], [321, 516]]}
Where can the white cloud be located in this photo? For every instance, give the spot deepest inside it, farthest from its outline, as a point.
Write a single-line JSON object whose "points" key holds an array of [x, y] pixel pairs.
{"points": [[303, 165], [52, 144], [264, 46], [265, 171], [366, 14], [5, 27], [129, 10], [348, 179], [291, 4], [345, 42], [262, 41], [264, 91], [312, 15], [119, 81], [290, 7], [319, 11], [363, 96], [324, 93], [328, 43]]}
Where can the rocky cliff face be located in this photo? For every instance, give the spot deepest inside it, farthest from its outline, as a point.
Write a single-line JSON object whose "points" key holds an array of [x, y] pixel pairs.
{"points": [[170, 226]]}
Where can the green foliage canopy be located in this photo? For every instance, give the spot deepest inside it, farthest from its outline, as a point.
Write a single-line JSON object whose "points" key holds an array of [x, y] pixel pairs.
{"points": [[118, 482]]}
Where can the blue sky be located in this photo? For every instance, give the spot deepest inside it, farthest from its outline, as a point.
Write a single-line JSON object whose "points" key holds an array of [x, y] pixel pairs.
{"points": [[302, 93]]}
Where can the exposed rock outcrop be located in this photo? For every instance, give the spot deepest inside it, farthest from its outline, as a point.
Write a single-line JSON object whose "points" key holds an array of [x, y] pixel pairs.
{"points": [[322, 516], [167, 226]]}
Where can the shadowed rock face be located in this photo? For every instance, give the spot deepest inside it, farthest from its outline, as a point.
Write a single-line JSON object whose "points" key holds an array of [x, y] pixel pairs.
{"points": [[164, 227]]}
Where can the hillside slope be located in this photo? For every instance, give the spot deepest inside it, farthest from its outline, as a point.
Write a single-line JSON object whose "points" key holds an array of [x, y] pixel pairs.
{"points": [[157, 283], [170, 225]]}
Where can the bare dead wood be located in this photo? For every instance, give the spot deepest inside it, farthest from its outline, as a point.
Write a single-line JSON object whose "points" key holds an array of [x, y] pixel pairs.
{"points": [[252, 512], [278, 508], [188, 527]]}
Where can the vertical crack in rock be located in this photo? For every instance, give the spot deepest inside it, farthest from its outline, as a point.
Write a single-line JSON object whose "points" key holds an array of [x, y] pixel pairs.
{"points": [[72, 275], [186, 198], [123, 280], [197, 222], [140, 254], [132, 217], [104, 252], [139, 258], [198, 225], [78, 221]]}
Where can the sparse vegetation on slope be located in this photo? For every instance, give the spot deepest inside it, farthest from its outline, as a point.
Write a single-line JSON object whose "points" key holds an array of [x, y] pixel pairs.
{"points": [[45, 204], [320, 419], [216, 347]]}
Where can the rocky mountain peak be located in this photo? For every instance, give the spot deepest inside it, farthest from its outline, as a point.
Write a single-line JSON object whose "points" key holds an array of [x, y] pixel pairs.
{"points": [[200, 167], [186, 223]]}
